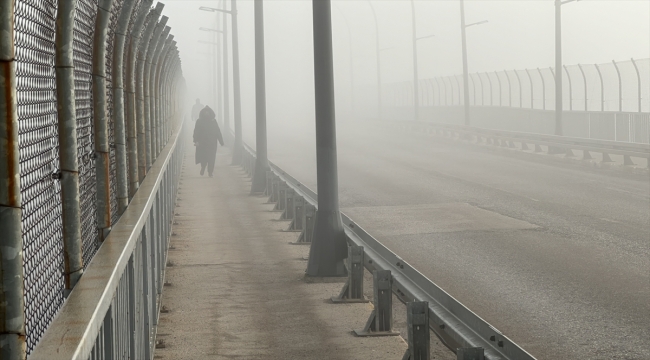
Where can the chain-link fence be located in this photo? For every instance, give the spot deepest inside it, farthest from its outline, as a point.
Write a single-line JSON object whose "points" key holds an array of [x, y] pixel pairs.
{"points": [[39, 160], [38, 145]]}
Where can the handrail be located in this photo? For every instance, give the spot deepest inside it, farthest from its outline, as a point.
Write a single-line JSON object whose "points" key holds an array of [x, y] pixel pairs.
{"points": [[82, 319], [455, 324]]}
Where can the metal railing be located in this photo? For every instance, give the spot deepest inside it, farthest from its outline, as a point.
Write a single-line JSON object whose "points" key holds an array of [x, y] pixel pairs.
{"points": [[456, 325], [113, 311]]}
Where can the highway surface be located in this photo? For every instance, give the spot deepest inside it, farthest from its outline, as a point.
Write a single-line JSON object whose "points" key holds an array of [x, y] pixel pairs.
{"points": [[554, 256]]}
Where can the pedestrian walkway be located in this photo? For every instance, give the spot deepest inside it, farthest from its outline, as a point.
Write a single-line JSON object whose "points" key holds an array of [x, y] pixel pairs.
{"points": [[234, 285]]}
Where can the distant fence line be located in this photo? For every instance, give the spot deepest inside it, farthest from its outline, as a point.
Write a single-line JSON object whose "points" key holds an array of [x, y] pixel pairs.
{"points": [[622, 86]]}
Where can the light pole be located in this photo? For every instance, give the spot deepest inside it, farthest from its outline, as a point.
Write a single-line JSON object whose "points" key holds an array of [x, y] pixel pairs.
{"points": [[374, 16], [463, 27], [347, 25], [238, 147], [416, 104], [558, 64], [329, 245], [225, 81], [261, 162], [216, 62]]}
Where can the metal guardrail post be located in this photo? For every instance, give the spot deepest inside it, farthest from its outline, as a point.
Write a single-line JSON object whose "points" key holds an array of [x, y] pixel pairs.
{"points": [[67, 126], [417, 324], [121, 167], [352, 291], [329, 246], [380, 322], [102, 160], [12, 288], [150, 85], [131, 113]]}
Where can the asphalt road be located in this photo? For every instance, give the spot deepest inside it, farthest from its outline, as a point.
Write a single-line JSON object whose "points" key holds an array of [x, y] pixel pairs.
{"points": [[555, 256]]}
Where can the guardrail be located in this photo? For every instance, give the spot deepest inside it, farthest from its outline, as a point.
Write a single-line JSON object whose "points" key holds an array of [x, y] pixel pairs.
{"points": [[556, 144], [113, 311], [455, 325]]}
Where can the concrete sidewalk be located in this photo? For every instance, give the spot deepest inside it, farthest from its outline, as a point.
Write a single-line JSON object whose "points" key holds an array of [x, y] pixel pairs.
{"points": [[235, 289]]}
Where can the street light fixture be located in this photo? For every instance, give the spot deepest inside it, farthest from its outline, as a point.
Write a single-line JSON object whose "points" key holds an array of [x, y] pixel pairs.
{"points": [[238, 147], [463, 27]]}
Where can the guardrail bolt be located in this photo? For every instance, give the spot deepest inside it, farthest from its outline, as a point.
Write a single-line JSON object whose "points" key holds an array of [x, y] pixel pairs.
{"points": [[380, 322], [352, 291], [476, 353], [417, 323]]}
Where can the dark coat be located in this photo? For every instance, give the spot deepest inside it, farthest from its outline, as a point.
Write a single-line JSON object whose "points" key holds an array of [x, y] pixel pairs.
{"points": [[206, 136]]}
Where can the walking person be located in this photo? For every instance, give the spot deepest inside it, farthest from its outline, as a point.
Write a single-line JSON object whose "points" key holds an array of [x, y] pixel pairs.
{"points": [[196, 109], [206, 136]]}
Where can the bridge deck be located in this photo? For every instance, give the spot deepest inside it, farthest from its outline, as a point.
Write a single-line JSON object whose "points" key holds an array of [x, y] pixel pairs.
{"points": [[235, 284]]}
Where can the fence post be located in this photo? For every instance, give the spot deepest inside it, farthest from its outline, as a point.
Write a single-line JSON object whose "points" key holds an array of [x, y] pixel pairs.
{"points": [[570, 88], [480, 80], [500, 91], [159, 40], [12, 288], [584, 79], [118, 106], [602, 88], [620, 87], [131, 113], [532, 88], [543, 89], [638, 79], [102, 159], [509, 88], [142, 106], [161, 58], [521, 92], [67, 124]]}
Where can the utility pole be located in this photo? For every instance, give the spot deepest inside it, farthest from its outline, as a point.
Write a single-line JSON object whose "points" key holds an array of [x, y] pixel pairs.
{"points": [[261, 163], [329, 246]]}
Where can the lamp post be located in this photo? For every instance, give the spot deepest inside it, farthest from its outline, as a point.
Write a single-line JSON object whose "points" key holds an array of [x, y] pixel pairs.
{"points": [[225, 81], [347, 26], [329, 246], [215, 70], [261, 162], [238, 146], [374, 16], [463, 27], [558, 64], [416, 104]]}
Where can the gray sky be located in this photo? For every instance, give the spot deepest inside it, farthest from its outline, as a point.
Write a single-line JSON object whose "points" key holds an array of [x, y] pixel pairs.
{"points": [[519, 34]]}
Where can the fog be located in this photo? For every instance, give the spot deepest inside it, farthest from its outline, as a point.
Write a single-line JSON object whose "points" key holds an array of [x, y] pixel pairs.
{"points": [[518, 35], [563, 242]]}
